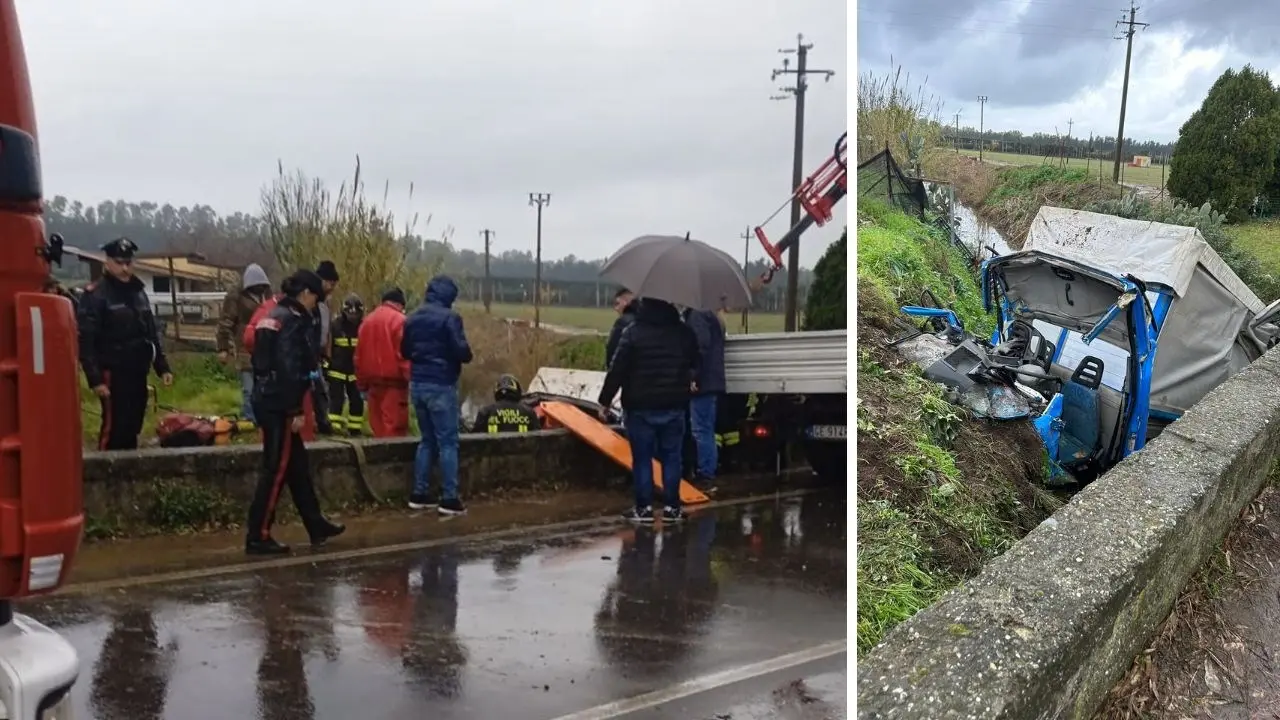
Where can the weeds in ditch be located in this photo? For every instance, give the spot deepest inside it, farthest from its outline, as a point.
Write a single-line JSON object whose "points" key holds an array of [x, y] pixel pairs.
{"points": [[182, 506], [893, 582]]}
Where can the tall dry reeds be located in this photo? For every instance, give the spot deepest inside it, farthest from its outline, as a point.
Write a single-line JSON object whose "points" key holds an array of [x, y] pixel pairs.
{"points": [[891, 114], [305, 223]]}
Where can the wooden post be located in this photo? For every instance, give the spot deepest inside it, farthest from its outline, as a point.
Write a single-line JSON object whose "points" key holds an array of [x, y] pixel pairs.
{"points": [[173, 298]]}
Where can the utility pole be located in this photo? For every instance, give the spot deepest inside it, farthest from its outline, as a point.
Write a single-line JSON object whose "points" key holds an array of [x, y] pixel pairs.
{"points": [[797, 167], [488, 283], [746, 261], [956, 137], [538, 200], [982, 106], [1127, 34]]}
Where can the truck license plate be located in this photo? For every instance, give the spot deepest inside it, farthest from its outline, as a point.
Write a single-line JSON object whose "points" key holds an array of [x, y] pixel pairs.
{"points": [[826, 432]]}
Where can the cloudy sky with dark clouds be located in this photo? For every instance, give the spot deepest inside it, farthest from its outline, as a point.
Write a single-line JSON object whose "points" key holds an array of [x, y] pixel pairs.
{"points": [[638, 117], [1044, 62]]}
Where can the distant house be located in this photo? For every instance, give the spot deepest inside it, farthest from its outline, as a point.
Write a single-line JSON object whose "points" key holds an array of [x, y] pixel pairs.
{"points": [[159, 273]]}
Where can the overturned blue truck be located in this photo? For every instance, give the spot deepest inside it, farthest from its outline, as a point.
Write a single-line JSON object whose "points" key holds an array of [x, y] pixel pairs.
{"points": [[1107, 330]]}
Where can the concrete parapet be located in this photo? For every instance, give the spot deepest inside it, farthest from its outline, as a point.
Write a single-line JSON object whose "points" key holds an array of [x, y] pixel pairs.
{"points": [[1045, 630], [118, 483]]}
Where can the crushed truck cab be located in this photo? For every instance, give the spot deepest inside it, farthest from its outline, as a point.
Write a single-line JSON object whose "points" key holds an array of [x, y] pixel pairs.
{"points": [[1118, 326]]}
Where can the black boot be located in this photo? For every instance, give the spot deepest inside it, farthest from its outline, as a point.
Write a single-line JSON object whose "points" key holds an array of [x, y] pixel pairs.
{"points": [[269, 546], [325, 531]]}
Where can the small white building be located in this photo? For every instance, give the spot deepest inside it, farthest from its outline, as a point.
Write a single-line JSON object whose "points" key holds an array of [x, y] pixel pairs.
{"points": [[194, 282]]}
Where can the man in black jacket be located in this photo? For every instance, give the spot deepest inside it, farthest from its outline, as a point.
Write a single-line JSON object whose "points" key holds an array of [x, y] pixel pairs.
{"points": [[624, 303], [655, 366], [119, 346], [285, 368]]}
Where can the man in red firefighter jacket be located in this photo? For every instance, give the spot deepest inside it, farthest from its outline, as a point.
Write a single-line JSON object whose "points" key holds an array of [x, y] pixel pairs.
{"points": [[380, 370]]}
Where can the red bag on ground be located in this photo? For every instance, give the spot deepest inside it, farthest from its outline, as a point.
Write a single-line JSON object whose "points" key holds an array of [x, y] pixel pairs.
{"points": [[183, 430], [251, 328]]}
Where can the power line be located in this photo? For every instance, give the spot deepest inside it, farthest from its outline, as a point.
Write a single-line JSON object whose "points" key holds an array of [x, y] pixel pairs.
{"points": [[1088, 35], [1124, 92], [801, 69], [1015, 27]]}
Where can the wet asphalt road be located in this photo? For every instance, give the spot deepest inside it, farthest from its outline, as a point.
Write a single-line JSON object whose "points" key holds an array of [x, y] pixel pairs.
{"points": [[679, 622]]}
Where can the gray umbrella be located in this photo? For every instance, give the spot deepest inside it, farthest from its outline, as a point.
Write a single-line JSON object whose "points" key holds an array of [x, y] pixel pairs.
{"points": [[679, 270]]}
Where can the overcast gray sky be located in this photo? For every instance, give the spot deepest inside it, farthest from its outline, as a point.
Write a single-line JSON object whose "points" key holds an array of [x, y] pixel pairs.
{"points": [[638, 117], [1044, 62]]}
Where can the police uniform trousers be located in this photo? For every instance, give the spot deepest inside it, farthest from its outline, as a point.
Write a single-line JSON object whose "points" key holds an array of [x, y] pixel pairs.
{"points": [[284, 463], [344, 393], [124, 409]]}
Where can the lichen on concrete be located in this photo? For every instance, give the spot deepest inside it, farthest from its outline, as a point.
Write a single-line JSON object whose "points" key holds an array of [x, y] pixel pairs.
{"points": [[1051, 624]]}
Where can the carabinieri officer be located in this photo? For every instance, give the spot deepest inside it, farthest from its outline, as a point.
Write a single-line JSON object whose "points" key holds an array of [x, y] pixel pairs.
{"points": [[119, 345]]}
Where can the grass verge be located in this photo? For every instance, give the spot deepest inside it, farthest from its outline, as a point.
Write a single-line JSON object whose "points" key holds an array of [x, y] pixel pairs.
{"points": [[601, 319], [939, 493], [204, 386]]}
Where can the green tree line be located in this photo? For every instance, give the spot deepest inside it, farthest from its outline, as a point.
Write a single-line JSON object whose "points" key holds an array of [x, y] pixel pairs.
{"points": [[1228, 150], [237, 239]]}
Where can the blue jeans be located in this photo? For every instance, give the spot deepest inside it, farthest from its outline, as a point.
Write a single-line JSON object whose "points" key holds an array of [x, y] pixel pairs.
{"points": [[656, 434], [246, 396], [437, 410], [702, 417]]}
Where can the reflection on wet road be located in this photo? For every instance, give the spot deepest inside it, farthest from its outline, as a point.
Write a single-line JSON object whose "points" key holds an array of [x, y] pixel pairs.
{"points": [[535, 628]]}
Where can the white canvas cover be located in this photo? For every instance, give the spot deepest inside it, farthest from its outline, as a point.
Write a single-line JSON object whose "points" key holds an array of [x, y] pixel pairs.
{"points": [[1151, 251], [1208, 334]]}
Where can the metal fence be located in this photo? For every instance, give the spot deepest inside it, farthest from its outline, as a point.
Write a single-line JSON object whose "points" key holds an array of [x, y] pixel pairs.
{"points": [[882, 177]]}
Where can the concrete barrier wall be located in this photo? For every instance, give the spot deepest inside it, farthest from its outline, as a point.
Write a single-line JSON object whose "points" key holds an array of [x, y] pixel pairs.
{"points": [[118, 483], [1045, 630]]}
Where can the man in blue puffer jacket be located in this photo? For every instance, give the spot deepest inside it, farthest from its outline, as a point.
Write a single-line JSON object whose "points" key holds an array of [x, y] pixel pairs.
{"points": [[436, 347]]}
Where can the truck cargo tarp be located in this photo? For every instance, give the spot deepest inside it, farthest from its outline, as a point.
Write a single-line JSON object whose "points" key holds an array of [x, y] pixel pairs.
{"points": [[1208, 334]]}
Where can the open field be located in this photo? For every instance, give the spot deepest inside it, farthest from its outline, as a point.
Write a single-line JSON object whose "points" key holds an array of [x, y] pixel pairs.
{"points": [[1262, 239], [1140, 176], [602, 318]]}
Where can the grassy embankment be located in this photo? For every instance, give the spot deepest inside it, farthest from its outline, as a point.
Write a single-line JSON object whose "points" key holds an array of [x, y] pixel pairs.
{"points": [[203, 386], [1260, 238], [938, 493]]}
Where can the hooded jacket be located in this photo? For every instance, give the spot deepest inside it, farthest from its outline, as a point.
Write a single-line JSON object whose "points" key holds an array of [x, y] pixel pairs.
{"points": [[625, 318], [378, 358], [656, 361], [434, 341], [709, 331], [237, 308]]}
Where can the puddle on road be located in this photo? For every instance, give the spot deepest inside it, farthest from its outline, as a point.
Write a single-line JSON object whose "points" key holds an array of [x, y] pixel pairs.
{"points": [[526, 628]]}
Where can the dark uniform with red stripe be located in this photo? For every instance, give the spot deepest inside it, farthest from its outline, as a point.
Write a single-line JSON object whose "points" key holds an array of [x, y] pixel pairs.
{"points": [[284, 367], [119, 345]]}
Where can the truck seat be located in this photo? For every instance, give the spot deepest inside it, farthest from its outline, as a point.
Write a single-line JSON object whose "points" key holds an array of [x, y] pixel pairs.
{"points": [[1081, 415]]}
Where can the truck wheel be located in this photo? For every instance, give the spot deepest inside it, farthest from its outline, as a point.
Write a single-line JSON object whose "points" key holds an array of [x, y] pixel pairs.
{"points": [[828, 460]]}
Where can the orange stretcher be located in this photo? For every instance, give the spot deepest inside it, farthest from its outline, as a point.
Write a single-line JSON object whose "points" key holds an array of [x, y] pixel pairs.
{"points": [[601, 437]]}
